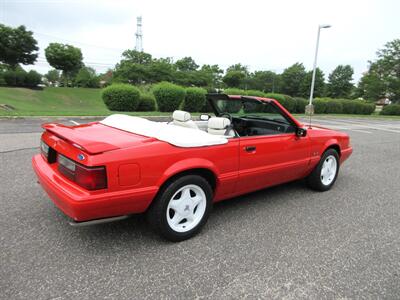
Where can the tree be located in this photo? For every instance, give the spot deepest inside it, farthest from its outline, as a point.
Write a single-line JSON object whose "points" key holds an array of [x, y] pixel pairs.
{"points": [[160, 69], [137, 57], [236, 75], [234, 78], [263, 81], [139, 67], [292, 79], [64, 57], [130, 72], [319, 84], [52, 76], [371, 87], [186, 64], [17, 46], [384, 73], [339, 82], [87, 77], [212, 75], [239, 68]]}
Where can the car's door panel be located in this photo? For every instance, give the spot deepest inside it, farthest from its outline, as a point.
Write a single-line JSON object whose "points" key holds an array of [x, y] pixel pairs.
{"points": [[270, 160]]}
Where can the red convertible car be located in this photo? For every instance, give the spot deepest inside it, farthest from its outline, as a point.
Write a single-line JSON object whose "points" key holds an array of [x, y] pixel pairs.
{"points": [[174, 171]]}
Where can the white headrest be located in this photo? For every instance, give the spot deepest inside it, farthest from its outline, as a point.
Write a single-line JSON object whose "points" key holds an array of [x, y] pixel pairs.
{"points": [[182, 116], [218, 123]]}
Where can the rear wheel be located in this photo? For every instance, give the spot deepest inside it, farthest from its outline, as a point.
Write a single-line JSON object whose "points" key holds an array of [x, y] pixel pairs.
{"points": [[325, 173], [181, 208]]}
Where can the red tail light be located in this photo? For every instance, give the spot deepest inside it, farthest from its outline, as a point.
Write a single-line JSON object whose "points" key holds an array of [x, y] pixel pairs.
{"points": [[90, 178]]}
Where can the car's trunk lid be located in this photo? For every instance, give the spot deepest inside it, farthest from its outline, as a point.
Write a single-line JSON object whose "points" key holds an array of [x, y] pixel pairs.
{"points": [[96, 138]]}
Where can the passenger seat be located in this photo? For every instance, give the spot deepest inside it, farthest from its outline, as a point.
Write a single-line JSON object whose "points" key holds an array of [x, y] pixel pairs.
{"points": [[220, 126], [184, 119]]}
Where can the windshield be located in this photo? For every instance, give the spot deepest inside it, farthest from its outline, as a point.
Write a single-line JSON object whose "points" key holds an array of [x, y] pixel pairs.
{"points": [[249, 108]]}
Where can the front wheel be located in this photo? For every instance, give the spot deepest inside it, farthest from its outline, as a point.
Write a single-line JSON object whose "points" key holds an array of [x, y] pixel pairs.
{"points": [[325, 173], [181, 208]]}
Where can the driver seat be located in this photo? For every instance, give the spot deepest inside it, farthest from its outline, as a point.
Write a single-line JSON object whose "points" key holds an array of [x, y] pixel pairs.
{"points": [[220, 126]]}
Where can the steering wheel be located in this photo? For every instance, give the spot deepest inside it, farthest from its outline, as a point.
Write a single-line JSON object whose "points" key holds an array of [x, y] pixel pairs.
{"points": [[226, 115]]}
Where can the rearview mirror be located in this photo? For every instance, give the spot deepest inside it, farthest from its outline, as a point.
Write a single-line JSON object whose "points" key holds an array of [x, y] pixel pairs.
{"points": [[301, 132], [204, 117]]}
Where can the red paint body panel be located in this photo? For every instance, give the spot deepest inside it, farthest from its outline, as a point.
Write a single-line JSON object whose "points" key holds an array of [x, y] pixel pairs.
{"points": [[138, 166]]}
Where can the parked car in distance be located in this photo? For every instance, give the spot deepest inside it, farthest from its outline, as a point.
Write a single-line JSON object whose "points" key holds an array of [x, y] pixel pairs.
{"points": [[174, 172]]}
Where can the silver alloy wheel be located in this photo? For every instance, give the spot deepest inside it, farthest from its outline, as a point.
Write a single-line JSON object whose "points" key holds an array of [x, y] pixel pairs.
{"points": [[186, 208], [328, 170]]}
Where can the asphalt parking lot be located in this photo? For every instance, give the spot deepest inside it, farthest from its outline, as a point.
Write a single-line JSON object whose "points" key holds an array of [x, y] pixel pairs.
{"points": [[284, 242]]}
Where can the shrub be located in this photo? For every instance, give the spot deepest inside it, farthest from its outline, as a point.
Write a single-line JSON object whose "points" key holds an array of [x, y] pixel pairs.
{"points": [[350, 106], [234, 91], [10, 78], [285, 100], [301, 104], [121, 97], [232, 107], [147, 103], [20, 77], [391, 110], [195, 99], [207, 107], [319, 106], [169, 96], [87, 77], [255, 93], [368, 108], [33, 78], [333, 107]]}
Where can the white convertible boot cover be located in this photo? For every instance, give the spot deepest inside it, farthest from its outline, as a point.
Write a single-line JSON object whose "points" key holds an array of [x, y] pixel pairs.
{"points": [[174, 135]]}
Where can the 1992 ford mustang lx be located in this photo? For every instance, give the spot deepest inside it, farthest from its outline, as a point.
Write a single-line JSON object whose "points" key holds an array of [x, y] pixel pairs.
{"points": [[174, 171]]}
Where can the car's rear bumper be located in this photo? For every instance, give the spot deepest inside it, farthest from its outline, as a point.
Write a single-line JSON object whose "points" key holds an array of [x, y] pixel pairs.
{"points": [[345, 153], [82, 205]]}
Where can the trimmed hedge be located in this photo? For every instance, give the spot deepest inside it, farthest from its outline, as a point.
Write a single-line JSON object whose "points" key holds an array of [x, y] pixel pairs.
{"points": [[342, 106], [195, 99], [255, 93], [147, 102], [391, 110], [319, 106], [169, 96], [368, 108], [301, 104], [334, 107], [234, 91], [285, 100], [121, 97]]}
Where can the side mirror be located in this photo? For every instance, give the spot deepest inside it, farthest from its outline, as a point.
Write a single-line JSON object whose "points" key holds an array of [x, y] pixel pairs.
{"points": [[204, 117], [301, 132]]}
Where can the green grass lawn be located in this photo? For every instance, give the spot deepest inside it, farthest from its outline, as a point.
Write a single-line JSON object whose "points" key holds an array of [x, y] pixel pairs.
{"points": [[57, 102], [61, 101]]}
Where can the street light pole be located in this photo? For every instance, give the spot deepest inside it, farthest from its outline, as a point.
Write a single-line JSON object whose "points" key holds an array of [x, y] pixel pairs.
{"points": [[310, 107]]}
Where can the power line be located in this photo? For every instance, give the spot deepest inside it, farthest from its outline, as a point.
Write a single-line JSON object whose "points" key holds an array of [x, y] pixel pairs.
{"points": [[77, 42]]}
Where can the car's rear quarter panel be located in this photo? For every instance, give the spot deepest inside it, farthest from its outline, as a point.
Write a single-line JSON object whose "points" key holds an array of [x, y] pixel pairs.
{"points": [[159, 161]]}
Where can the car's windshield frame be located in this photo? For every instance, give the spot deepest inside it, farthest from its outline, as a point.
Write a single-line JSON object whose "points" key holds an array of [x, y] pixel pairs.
{"points": [[212, 98]]}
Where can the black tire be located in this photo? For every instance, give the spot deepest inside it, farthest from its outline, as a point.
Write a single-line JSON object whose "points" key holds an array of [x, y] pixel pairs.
{"points": [[314, 180], [157, 213]]}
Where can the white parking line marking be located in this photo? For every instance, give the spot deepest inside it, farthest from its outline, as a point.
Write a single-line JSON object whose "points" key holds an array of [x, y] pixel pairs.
{"points": [[75, 123], [352, 125], [359, 130]]}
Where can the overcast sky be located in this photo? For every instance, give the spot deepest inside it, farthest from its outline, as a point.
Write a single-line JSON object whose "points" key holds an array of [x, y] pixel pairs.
{"points": [[264, 35]]}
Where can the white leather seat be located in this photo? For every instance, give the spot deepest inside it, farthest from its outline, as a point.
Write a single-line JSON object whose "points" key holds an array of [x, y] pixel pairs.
{"points": [[184, 119], [220, 126]]}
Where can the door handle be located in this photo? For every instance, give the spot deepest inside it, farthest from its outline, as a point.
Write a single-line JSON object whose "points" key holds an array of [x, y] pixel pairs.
{"points": [[250, 148]]}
